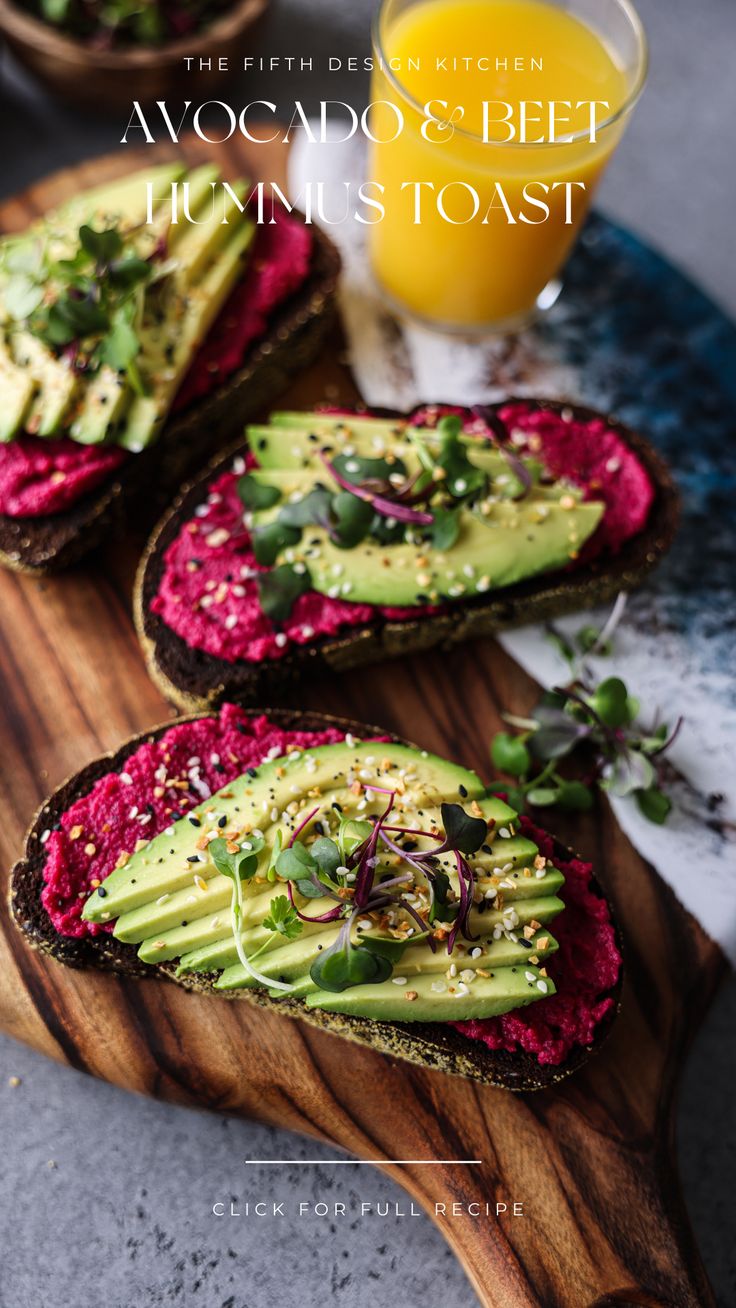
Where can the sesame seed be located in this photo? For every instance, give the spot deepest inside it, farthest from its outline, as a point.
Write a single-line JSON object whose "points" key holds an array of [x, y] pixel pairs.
{"points": [[399, 980]]}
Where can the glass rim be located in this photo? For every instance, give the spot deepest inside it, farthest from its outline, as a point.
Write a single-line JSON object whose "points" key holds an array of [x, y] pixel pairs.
{"points": [[624, 108]]}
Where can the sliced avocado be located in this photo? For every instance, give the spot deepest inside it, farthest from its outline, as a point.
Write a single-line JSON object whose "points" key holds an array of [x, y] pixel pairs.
{"points": [[514, 917], [55, 379], [104, 403], [287, 963], [422, 1000], [506, 544], [161, 867], [17, 387], [123, 200], [169, 346], [220, 951], [410, 960], [291, 439], [201, 241], [171, 900]]}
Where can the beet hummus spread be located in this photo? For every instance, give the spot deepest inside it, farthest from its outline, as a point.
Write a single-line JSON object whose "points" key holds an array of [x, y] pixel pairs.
{"points": [[39, 477], [586, 965], [208, 596], [164, 778]]}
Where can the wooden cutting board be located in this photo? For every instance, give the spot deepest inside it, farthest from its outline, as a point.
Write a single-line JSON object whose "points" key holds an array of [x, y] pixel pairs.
{"points": [[592, 1161]]}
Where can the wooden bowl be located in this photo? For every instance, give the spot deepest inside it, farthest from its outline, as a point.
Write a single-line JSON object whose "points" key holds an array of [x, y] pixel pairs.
{"points": [[113, 78]]}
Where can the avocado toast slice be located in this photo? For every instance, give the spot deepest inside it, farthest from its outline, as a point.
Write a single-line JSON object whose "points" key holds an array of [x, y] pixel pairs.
{"points": [[399, 994], [519, 553], [60, 405]]}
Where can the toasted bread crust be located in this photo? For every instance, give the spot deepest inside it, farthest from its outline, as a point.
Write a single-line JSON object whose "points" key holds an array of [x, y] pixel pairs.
{"points": [[140, 489], [433, 1045], [194, 681]]}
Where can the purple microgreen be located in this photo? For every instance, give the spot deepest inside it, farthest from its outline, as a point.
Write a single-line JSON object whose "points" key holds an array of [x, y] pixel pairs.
{"points": [[304, 823], [388, 508], [501, 439], [330, 915], [466, 880]]}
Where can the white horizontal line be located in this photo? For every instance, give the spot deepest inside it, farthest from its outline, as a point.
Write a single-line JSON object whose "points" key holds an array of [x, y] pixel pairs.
{"points": [[360, 1162]]}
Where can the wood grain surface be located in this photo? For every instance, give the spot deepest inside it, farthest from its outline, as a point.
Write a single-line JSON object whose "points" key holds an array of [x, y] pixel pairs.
{"points": [[592, 1161]]}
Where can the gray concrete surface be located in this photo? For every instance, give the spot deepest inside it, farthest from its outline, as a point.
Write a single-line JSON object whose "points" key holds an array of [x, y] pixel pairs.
{"points": [[106, 1198]]}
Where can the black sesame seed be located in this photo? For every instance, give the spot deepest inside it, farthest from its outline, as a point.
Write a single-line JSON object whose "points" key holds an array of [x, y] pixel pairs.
{"points": [[195, 821], [222, 822], [192, 858], [252, 772], [101, 892], [463, 792]]}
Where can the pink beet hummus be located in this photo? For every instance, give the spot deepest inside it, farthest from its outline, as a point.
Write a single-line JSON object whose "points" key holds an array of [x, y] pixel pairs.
{"points": [[586, 965], [161, 778], [39, 477], [202, 756], [208, 596]]}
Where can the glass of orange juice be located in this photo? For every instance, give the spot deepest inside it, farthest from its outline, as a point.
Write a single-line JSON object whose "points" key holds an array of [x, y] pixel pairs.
{"points": [[493, 121]]}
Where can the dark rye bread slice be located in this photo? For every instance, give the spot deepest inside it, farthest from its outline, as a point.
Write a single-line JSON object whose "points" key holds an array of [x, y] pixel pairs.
{"points": [[144, 483], [194, 680], [433, 1045]]}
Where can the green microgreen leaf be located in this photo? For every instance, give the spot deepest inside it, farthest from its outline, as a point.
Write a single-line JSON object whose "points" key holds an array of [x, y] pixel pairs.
{"points": [[22, 296], [295, 861], [270, 540], [388, 946], [509, 754], [309, 889], [351, 519], [358, 469], [611, 702], [351, 833], [542, 796], [326, 855], [310, 509], [255, 494], [557, 733], [283, 917], [280, 588], [654, 804], [462, 831], [463, 480], [442, 910], [102, 246], [445, 529], [574, 796], [344, 965], [239, 866], [121, 345], [130, 271]]}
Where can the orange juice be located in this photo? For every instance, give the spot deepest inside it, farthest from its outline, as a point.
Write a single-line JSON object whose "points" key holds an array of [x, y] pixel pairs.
{"points": [[472, 247]]}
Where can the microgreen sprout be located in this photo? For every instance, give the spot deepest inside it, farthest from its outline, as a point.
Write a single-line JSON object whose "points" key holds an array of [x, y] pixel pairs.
{"points": [[597, 721], [88, 307]]}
